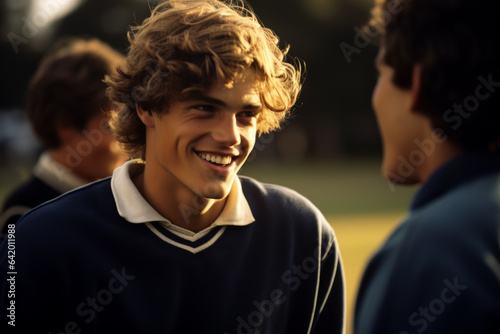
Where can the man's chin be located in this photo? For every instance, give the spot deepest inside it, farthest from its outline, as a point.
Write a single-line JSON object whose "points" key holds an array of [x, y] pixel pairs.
{"points": [[215, 191], [400, 173], [397, 178]]}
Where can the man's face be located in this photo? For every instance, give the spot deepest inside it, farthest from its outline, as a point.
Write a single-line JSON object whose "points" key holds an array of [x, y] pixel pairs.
{"points": [[93, 153], [200, 144], [398, 123]]}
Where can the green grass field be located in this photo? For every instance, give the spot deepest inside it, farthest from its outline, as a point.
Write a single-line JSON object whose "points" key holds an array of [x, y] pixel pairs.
{"points": [[360, 205]]}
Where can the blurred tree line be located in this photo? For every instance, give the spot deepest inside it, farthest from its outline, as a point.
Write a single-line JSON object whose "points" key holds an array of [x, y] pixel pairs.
{"points": [[334, 116]]}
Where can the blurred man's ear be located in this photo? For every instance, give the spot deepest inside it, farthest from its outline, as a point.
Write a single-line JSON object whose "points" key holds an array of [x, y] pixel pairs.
{"points": [[66, 134], [415, 86], [145, 116]]}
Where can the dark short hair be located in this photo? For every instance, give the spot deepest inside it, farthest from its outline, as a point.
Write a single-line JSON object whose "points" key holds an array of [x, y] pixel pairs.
{"points": [[456, 42], [67, 88]]}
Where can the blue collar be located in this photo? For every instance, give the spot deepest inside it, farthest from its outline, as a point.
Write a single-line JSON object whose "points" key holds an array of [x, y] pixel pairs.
{"points": [[458, 171]]}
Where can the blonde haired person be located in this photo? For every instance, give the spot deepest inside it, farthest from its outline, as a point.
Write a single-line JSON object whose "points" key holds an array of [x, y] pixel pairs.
{"points": [[176, 241]]}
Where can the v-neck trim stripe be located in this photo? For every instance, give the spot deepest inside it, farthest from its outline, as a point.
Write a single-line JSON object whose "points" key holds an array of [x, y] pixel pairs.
{"points": [[186, 247]]}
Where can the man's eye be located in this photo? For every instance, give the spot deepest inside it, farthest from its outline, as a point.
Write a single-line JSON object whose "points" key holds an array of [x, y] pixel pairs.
{"points": [[248, 114], [207, 108]]}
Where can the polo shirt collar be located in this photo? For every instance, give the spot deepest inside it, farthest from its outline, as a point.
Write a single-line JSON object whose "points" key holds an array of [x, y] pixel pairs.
{"points": [[458, 171], [135, 209], [56, 175]]}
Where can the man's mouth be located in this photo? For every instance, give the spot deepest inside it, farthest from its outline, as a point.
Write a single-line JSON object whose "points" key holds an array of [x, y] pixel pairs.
{"points": [[219, 160]]}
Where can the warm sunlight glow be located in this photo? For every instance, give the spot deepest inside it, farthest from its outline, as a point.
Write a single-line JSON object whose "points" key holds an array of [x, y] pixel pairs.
{"points": [[48, 11]]}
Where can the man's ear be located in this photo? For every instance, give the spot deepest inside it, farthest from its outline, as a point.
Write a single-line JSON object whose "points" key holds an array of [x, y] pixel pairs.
{"points": [[66, 133], [145, 116], [415, 86]]}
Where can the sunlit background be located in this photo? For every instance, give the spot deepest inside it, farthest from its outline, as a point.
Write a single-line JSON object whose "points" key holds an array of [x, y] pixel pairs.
{"points": [[329, 149]]}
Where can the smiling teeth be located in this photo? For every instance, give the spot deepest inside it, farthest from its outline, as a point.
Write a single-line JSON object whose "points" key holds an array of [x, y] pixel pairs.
{"points": [[215, 159]]}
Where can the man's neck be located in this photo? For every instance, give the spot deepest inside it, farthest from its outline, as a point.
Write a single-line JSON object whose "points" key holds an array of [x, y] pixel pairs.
{"points": [[60, 155], [444, 151], [180, 206]]}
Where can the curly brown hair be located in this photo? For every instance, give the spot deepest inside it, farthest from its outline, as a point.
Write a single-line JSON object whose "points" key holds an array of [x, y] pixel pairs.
{"points": [[68, 88], [186, 46]]}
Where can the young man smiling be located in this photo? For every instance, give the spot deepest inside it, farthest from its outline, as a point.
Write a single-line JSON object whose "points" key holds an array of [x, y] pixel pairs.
{"points": [[176, 241], [195, 150], [439, 115]]}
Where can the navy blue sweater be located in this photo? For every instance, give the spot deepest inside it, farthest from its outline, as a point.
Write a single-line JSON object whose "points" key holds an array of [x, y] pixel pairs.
{"points": [[81, 268], [28, 195], [439, 272]]}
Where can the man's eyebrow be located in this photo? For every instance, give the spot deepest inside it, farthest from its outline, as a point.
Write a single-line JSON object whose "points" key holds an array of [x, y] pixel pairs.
{"points": [[212, 100], [253, 106], [207, 99]]}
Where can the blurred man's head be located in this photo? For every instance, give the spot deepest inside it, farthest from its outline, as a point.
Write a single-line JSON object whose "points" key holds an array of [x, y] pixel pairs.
{"points": [[440, 61], [67, 106]]}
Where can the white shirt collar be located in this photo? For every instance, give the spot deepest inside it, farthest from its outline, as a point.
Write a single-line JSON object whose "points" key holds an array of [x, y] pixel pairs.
{"points": [[135, 209], [56, 175]]}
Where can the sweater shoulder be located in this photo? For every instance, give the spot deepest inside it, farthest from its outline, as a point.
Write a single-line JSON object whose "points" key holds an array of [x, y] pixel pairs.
{"points": [[72, 205], [470, 208], [285, 207], [272, 196], [30, 194], [451, 233]]}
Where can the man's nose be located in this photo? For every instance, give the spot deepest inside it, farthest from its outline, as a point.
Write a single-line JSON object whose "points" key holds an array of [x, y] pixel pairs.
{"points": [[226, 130]]}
